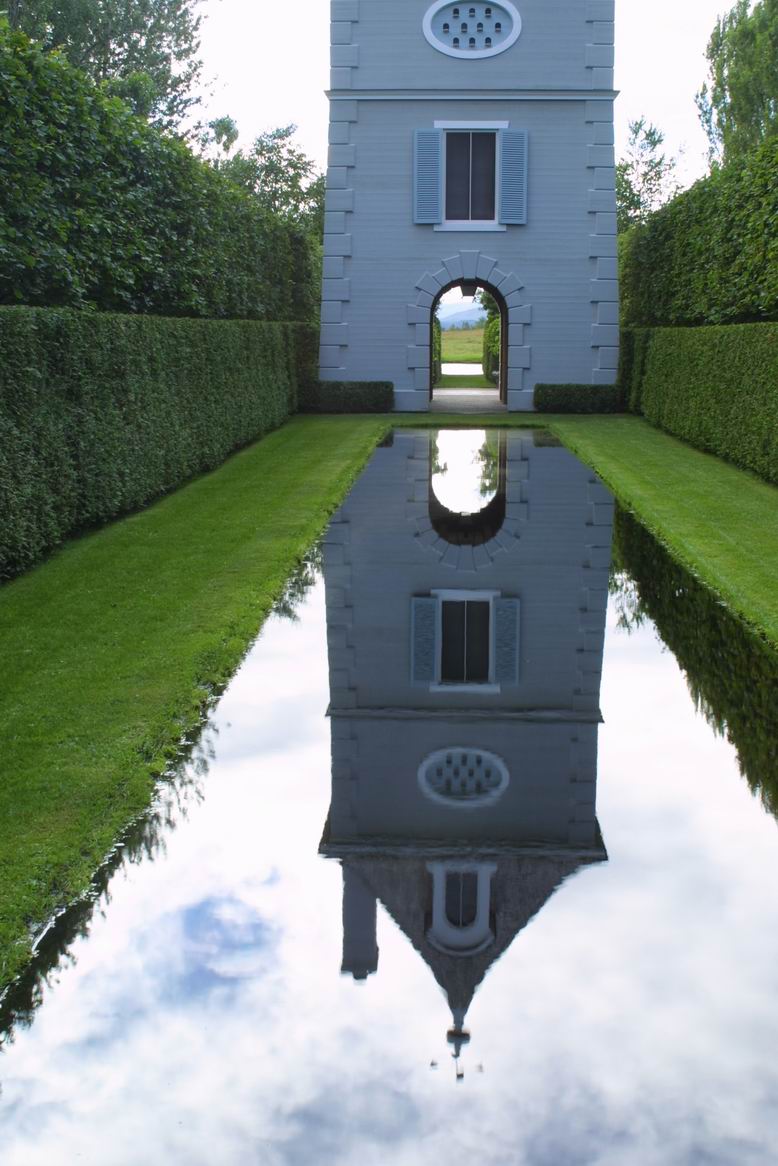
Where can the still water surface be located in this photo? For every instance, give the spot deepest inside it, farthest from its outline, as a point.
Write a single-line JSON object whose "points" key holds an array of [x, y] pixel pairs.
{"points": [[620, 985]]}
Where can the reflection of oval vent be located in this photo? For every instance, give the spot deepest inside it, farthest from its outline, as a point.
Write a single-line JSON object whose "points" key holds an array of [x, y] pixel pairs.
{"points": [[462, 776]]}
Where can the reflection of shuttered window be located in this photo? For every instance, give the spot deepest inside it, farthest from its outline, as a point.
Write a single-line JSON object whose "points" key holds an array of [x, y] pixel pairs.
{"points": [[465, 642], [461, 898]]}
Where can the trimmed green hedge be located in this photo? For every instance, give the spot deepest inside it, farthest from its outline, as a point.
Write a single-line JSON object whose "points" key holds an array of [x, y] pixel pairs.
{"points": [[437, 350], [97, 209], [711, 255], [578, 399], [715, 387], [349, 397], [101, 413], [306, 356], [491, 348]]}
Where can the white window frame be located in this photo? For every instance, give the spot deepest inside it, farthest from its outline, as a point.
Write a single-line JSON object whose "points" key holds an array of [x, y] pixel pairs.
{"points": [[487, 688], [473, 126]]}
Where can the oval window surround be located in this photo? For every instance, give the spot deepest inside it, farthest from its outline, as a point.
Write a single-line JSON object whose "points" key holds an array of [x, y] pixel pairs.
{"points": [[500, 23], [462, 777]]}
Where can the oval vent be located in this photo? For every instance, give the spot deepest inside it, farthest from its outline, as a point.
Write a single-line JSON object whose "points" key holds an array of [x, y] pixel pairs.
{"points": [[463, 777], [472, 30]]}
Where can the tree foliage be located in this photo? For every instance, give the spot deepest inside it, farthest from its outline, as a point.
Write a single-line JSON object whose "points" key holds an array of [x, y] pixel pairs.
{"points": [[738, 105], [145, 51], [487, 302], [99, 209], [281, 177], [645, 176]]}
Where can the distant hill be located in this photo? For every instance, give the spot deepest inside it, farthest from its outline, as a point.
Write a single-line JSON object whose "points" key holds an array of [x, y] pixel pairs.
{"points": [[453, 316]]}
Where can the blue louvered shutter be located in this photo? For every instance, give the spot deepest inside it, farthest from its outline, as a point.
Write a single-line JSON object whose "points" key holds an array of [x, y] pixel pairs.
{"points": [[513, 177], [506, 641], [427, 176], [424, 620]]}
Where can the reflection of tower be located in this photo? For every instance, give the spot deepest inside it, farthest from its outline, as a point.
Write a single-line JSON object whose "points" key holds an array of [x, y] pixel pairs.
{"points": [[464, 686]]}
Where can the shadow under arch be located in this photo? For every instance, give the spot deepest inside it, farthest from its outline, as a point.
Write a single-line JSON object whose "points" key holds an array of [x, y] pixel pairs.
{"points": [[471, 530], [469, 287]]}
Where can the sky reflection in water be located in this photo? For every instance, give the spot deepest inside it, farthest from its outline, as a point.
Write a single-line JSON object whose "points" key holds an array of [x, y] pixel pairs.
{"points": [[205, 1020]]}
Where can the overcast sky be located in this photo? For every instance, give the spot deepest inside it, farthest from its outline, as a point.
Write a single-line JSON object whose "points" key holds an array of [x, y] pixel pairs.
{"points": [[270, 64]]}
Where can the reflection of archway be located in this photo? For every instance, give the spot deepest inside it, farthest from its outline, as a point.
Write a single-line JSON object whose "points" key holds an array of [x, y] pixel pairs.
{"points": [[472, 530], [463, 557], [469, 288]]}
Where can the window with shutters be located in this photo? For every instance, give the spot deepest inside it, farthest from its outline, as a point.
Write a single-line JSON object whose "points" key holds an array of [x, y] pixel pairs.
{"points": [[467, 640], [470, 176], [470, 160]]}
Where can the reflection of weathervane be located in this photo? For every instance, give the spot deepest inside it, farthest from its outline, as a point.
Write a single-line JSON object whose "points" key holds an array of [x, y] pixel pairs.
{"points": [[457, 1037]]}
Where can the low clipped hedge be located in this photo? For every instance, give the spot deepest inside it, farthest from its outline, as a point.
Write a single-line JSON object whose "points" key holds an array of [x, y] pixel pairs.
{"points": [[349, 397], [714, 387], [306, 358], [578, 399], [100, 413], [710, 256]]}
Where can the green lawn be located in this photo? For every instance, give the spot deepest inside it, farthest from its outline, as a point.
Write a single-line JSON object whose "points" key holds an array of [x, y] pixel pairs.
{"points": [[463, 346], [719, 521], [476, 381], [113, 645]]}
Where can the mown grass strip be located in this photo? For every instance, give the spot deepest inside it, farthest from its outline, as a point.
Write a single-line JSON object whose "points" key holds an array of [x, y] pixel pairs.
{"points": [[111, 647], [718, 521]]}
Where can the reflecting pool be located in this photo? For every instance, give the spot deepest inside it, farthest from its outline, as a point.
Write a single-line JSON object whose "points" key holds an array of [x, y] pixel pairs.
{"points": [[510, 900]]}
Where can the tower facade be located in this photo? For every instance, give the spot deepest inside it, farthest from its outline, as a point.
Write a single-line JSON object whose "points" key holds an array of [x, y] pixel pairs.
{"points": [[471, 145]]}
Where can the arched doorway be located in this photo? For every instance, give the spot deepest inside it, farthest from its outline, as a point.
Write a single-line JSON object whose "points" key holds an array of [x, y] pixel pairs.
{"points": [[469, 288]]}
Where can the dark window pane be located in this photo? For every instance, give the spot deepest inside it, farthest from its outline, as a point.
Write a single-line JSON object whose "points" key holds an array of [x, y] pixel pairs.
{"points": [[452, 662], [457, 176], [477, 642], [461, 898], [483, 167]]}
